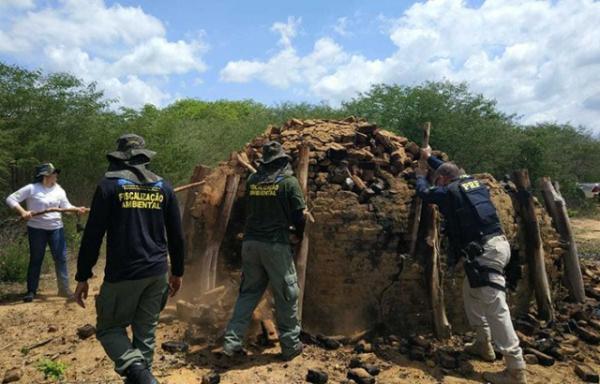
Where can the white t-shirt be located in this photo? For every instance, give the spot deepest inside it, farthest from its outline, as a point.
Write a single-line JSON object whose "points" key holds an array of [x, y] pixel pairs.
{"points": [[40, 198]]}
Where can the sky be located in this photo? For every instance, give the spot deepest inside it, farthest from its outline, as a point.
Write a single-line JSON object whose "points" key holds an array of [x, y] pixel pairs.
{"points": [[539, 59]]}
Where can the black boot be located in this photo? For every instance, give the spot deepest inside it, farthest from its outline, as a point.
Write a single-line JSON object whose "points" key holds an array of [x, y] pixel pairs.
{"points": [[138, 373]]}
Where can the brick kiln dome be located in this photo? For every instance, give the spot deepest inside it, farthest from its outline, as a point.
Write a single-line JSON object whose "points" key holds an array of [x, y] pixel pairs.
{"points": [[361, 194]]}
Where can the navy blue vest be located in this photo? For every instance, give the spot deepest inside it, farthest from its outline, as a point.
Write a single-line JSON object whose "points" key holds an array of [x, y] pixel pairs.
{"points": [[473, 214]]}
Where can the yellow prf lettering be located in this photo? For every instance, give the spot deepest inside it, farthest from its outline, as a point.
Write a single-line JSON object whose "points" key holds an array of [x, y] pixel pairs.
{"points": [[470, 185]]}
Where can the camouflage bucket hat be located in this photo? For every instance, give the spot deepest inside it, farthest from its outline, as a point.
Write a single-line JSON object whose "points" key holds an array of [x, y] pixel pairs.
{"points": [[45, 169], [272, 151], [129, 146]]}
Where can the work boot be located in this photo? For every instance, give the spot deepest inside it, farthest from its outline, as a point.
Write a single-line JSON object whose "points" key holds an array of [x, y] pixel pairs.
{"points": [[67, 294], [291, 355], [238, 352], [481, 349], [508, 376], [28, 298], [138, 373]]}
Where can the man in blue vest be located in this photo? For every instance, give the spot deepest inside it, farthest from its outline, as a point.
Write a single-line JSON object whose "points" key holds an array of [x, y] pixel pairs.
{"points": [[475, 234]]}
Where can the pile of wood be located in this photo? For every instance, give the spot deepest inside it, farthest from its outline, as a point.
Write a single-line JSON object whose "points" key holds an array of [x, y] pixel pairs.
{"points": [[359, 182]]}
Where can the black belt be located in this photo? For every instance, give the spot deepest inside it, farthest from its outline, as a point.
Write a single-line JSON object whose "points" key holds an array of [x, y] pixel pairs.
{"points": [[486, 238]]}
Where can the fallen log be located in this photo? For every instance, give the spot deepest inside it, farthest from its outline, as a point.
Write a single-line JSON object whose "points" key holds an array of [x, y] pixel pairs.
{"points": [[533, 245]]}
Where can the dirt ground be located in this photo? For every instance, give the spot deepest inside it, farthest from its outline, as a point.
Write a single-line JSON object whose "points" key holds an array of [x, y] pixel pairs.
{"points": [[52, 319]]}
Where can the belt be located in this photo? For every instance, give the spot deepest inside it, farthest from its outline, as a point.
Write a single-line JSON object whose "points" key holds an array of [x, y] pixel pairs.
{"points": [[486, 238]]}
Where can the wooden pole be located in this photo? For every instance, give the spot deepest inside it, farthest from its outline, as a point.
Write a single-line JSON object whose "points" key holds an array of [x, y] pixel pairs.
{"points": [[533, 245], [417, 200], [187, 221], [555, 204], [231, 187], [187, 186], [433, 275], [61, 210], [245, 163], [302, 248]]}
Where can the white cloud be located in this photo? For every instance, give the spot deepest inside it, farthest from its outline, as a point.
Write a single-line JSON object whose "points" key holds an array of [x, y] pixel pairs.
{"points": [[19, 4], [341, 27], [287, 30], [117, 46], [539, 59]]}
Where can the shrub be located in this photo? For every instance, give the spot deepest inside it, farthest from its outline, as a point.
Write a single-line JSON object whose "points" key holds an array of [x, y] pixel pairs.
{"points": [[52, 369]]}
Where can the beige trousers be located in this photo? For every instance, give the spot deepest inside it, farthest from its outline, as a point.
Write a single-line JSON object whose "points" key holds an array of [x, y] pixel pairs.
{"points": [[486, 307]]}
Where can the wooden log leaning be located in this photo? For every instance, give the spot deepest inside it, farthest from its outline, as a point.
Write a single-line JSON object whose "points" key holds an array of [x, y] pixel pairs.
{"points": [[555, 205], [433, 275], [533, 246], [417, 200], [302, 248], [231, 187], [187, 221]]}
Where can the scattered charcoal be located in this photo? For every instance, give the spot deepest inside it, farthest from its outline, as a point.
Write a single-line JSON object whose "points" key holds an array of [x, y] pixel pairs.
{"points": [[592, 292], [525, 326], [416, 353], [447, 360], [307, 338], [175, 346], [372, 369], [543, 359], [584, 334], [363, 347], [86, 331], [595, 324], [328, 342], [360, 376], [420, 341], [211, 378], [531, 359], [316, 376], [355, 362], [194, 335], [586, 373], [12, 375]]}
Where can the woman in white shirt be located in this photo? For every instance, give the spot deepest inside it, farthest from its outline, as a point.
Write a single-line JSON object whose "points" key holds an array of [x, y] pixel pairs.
{"points": [[44, 229]]}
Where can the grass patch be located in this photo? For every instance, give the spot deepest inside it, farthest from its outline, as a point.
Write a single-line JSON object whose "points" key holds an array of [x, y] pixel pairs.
{"points": [[51, 369]]}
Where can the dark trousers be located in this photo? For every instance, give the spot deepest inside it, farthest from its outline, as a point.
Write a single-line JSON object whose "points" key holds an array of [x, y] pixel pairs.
{"points": [[38, 240]]}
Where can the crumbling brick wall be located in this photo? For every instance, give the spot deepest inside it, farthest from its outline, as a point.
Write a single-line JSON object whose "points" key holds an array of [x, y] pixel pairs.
{"points": [[361, 194]]}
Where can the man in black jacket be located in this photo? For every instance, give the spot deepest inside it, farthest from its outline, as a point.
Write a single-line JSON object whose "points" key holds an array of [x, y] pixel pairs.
{"points": [[139, 213]]}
